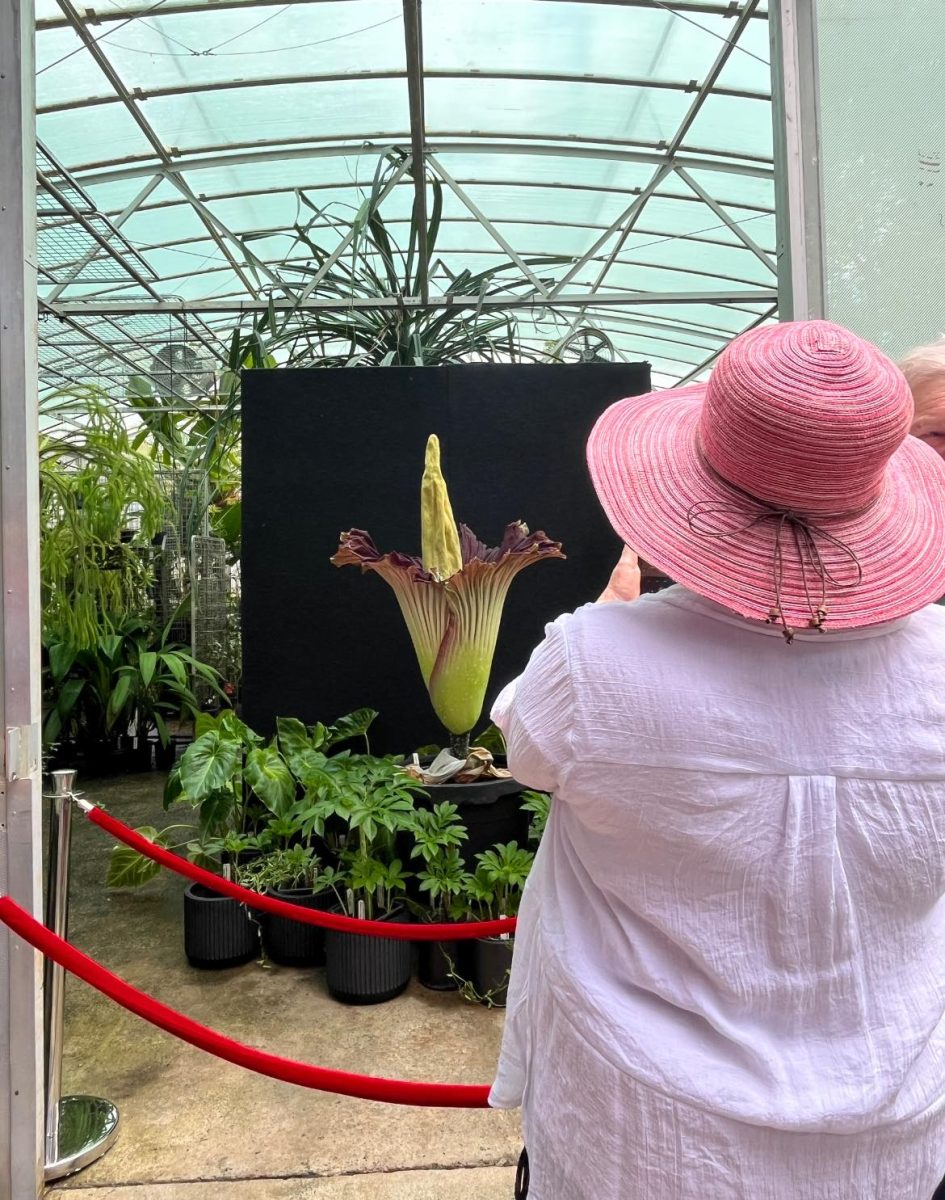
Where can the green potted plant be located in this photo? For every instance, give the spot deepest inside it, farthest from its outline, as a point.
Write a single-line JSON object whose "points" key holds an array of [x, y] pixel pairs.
{"points": [[538, 807], [102, 698], [374, 797], [246, 791], [452, 598], [211, 778], [438, 835], [292, 873], [492, 891]]}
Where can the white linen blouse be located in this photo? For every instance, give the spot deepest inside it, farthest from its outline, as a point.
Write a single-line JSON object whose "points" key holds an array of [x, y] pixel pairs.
{"points": [[731, 948]]}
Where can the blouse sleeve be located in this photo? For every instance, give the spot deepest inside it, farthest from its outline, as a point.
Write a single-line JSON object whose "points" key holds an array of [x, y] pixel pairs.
{"points": [[534, 713]]}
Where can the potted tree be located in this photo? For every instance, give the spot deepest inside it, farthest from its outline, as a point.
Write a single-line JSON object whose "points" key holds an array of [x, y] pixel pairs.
{"points": [[438, 835], [375, 799], [452, 598], [492, 891]]}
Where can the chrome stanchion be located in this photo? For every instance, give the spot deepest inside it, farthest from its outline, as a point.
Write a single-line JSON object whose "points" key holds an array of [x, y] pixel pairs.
{"points": [[79, 1129]]}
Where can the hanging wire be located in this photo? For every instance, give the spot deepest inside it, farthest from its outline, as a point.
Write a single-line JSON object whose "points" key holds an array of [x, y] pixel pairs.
{"points": [[674, 12], [213, 53], [108, 32], [252, 29]]}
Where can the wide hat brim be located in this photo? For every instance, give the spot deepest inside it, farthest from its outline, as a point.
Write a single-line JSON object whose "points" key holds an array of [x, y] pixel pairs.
{"points": [[667, 504]]}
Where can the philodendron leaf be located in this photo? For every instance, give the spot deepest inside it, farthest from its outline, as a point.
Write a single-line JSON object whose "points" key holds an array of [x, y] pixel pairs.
{"points": [[127, 868], [355, 724], [293, 737], [208, 764], [268, 775], [215, 811], [203, 723]]}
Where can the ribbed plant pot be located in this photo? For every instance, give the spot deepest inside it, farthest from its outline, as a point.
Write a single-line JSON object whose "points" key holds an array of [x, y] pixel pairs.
{"points": [[436, 964], [290, 943], [491, 811], [362, 969], [218, 931], [490, 961]]}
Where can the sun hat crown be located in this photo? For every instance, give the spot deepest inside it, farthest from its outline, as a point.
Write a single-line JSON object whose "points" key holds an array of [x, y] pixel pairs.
{"points": [[804, 416]]}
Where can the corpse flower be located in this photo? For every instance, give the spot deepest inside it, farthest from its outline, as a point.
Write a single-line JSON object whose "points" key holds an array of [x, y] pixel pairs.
{"points": [[451, 598]]}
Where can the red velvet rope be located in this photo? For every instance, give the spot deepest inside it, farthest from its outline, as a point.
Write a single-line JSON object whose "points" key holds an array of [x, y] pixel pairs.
{"points": [[344, 1083], [395, 930]]}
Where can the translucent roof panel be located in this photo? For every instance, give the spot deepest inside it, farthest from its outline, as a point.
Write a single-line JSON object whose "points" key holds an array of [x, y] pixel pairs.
{"points": [[186, 147]]}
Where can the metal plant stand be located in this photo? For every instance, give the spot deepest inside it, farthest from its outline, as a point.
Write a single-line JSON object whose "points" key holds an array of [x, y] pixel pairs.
{"points": [[79, 1129]]}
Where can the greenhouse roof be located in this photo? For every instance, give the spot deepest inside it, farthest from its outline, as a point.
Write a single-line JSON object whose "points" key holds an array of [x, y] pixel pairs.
{"points": [[182, 146]]}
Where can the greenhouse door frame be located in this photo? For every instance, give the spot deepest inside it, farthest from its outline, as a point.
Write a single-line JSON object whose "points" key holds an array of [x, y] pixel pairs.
{"points": [[797, 152], [21, 995]]}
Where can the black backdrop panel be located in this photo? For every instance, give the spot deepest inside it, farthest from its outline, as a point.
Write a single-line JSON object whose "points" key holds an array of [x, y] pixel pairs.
{"points": [[327, 450]]}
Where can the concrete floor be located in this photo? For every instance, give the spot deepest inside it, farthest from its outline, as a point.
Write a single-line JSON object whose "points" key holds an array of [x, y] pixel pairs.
{"points": [[191, 1123]]}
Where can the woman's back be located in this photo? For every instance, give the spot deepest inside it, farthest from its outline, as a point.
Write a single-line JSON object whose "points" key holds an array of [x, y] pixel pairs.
{"points": [[738, 898]]}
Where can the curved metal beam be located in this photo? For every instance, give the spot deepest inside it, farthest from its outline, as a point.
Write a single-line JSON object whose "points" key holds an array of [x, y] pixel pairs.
{"points": [[719, 8], [226, 85], [376, 144]]}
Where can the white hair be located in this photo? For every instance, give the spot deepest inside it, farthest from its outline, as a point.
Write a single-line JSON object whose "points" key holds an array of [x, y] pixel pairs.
{"points": [[925, 365]]}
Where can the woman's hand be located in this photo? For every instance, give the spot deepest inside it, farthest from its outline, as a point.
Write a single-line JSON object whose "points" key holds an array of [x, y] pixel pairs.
{"points": [[624, 579]]}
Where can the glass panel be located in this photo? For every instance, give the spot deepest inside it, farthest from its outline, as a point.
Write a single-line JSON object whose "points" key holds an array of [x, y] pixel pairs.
{"points": [[63, 67], [702, 253], [259, 114], [550, 109], [76, 140], [734, 125], [113, 198], [883, 150], [576, 38], [163, 225], [220, 45], [556, 202]]}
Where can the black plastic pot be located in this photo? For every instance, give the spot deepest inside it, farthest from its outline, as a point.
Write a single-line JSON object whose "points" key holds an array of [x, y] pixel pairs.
{"points": [[290, 943], [490, 961], [434, 962], [218, 931], [490, 810], [365, 969]]}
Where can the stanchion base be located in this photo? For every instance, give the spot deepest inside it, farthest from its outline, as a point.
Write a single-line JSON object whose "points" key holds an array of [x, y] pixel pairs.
{"points": [[87, 1128]]}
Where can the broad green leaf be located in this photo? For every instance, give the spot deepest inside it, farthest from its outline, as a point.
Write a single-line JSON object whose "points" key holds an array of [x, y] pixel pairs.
{"points": [[161, 729], [355, 724], [203, 723], [216, 810], [208, 764], [52, 728], [293, 737], [111, 645], [173, 788], [175, 666], [128, 868], [118, 699], [268, 775], [68, 695], [61, 658], [147, 664]]}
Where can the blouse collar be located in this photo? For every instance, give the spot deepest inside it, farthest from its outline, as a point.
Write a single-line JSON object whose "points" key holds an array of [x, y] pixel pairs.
{"points": [[681, 597]]}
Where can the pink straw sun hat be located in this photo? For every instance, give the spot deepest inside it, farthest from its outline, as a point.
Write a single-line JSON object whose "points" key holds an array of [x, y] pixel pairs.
{"points": [[786, 488]]}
